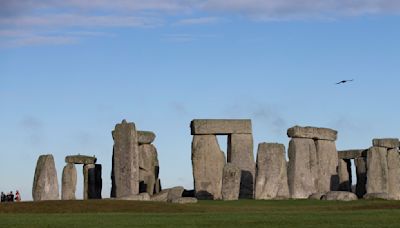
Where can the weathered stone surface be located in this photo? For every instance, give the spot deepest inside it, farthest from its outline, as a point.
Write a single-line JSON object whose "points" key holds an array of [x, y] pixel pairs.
{"points": [[361, 171], [174, 193], [377, 166], [344, 172], [145, 137], [302, 168], [148, 163], [240, 153], [157, 186], [125, 170], [389, 143], [88, 180], [231, 182], [316, 196], [80, 159], [327, 158], [45, 182], [69, 177], [208, 164], [377, 196], [184, 200], [312, 133], [271, 180], [161, 196], [352, 154], [140, 197], [393, 160], [220, 127], [340, 196]]}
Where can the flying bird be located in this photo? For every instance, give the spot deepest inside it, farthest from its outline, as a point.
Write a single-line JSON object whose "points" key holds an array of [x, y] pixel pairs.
{"points": [[344, 81]]}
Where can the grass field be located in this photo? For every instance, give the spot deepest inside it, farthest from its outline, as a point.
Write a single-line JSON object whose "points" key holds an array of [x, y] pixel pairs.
{"points": [[243, 213]]}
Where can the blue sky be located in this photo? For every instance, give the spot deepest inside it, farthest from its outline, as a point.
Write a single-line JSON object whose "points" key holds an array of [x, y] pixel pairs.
{"points": [[70, 70]]}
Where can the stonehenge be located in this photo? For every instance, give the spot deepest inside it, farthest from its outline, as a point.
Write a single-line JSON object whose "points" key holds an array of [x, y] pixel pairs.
{"points": [[314, 169]]}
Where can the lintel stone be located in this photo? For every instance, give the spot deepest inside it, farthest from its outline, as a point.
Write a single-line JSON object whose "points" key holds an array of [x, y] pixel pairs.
{"points": [[312, 133], [387, 143], [220, 126], [352, 154], [80, 159], [145, 137]]}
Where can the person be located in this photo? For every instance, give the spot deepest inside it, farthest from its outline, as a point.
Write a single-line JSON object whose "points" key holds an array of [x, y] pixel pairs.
{"points": [[11, 197], [17, 196], [3, 197]]}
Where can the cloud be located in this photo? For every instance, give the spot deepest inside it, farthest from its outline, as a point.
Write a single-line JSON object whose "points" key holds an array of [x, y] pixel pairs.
{"points": [[198, 21]]}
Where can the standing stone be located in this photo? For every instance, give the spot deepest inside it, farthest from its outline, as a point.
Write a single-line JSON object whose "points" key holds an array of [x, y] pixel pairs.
{"points": [[88, 180], [303, 168], [327, 159], [231, 182], [45, 182], [125, 170], [393, 174], [157, 186], [361, 171], [98, 182], [240, 153], [271, 181], [344, 171], [148, 163], [377, 175], [69, 178], [208, 164]]}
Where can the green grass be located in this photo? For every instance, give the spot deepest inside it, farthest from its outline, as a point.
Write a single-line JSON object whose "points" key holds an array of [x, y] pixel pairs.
{"points": [[243, 213]]}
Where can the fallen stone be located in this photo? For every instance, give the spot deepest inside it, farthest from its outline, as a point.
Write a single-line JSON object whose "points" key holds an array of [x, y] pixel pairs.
{"points": [[140, 197], [316, 196], [312, 133], [208, 164], [240, 153], [302, 168], [45, 182], [377, 196], [125, 169], [340, 196], [80, 159], [344, 172], [174, 193], [327, 159], [271, 180], [184, 200], [161, 196], [69, 177], [361, 172], [231, 182], [393, 160], [352, 154], [377, 166], [389, 143], [220, 127], [145, 137]]}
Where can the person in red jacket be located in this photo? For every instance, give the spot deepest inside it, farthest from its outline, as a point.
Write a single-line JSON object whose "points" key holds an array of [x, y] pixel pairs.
{"points": [[17, 196]]}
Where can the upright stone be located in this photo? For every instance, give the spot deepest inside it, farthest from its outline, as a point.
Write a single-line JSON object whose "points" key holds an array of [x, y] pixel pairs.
{"points": [[125, 170], [45, 182], [271, 180], [148, 163], [361, 171], [69, 177], [303, 168], [240, 153], [393, 174], [98, 182], [344, 171], [377, 175], [231, 182], [208, 164], [328, 179], [88, 180]]}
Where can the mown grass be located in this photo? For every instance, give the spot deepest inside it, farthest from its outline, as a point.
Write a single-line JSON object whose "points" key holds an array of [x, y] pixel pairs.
{"points": [[243, 213]]}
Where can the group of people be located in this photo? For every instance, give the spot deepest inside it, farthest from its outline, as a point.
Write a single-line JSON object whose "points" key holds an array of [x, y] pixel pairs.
{"points": [[10, 197]]}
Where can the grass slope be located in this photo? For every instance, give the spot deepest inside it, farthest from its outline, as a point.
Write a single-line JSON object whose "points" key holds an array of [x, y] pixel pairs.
{"points": [[243, 213]]}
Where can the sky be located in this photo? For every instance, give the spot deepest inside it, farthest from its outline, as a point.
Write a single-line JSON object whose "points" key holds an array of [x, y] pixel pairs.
{"points": [[70, 70]]}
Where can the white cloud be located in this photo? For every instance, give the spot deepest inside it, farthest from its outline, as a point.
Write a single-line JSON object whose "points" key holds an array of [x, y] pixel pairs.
{"points": [[198, 21]]}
